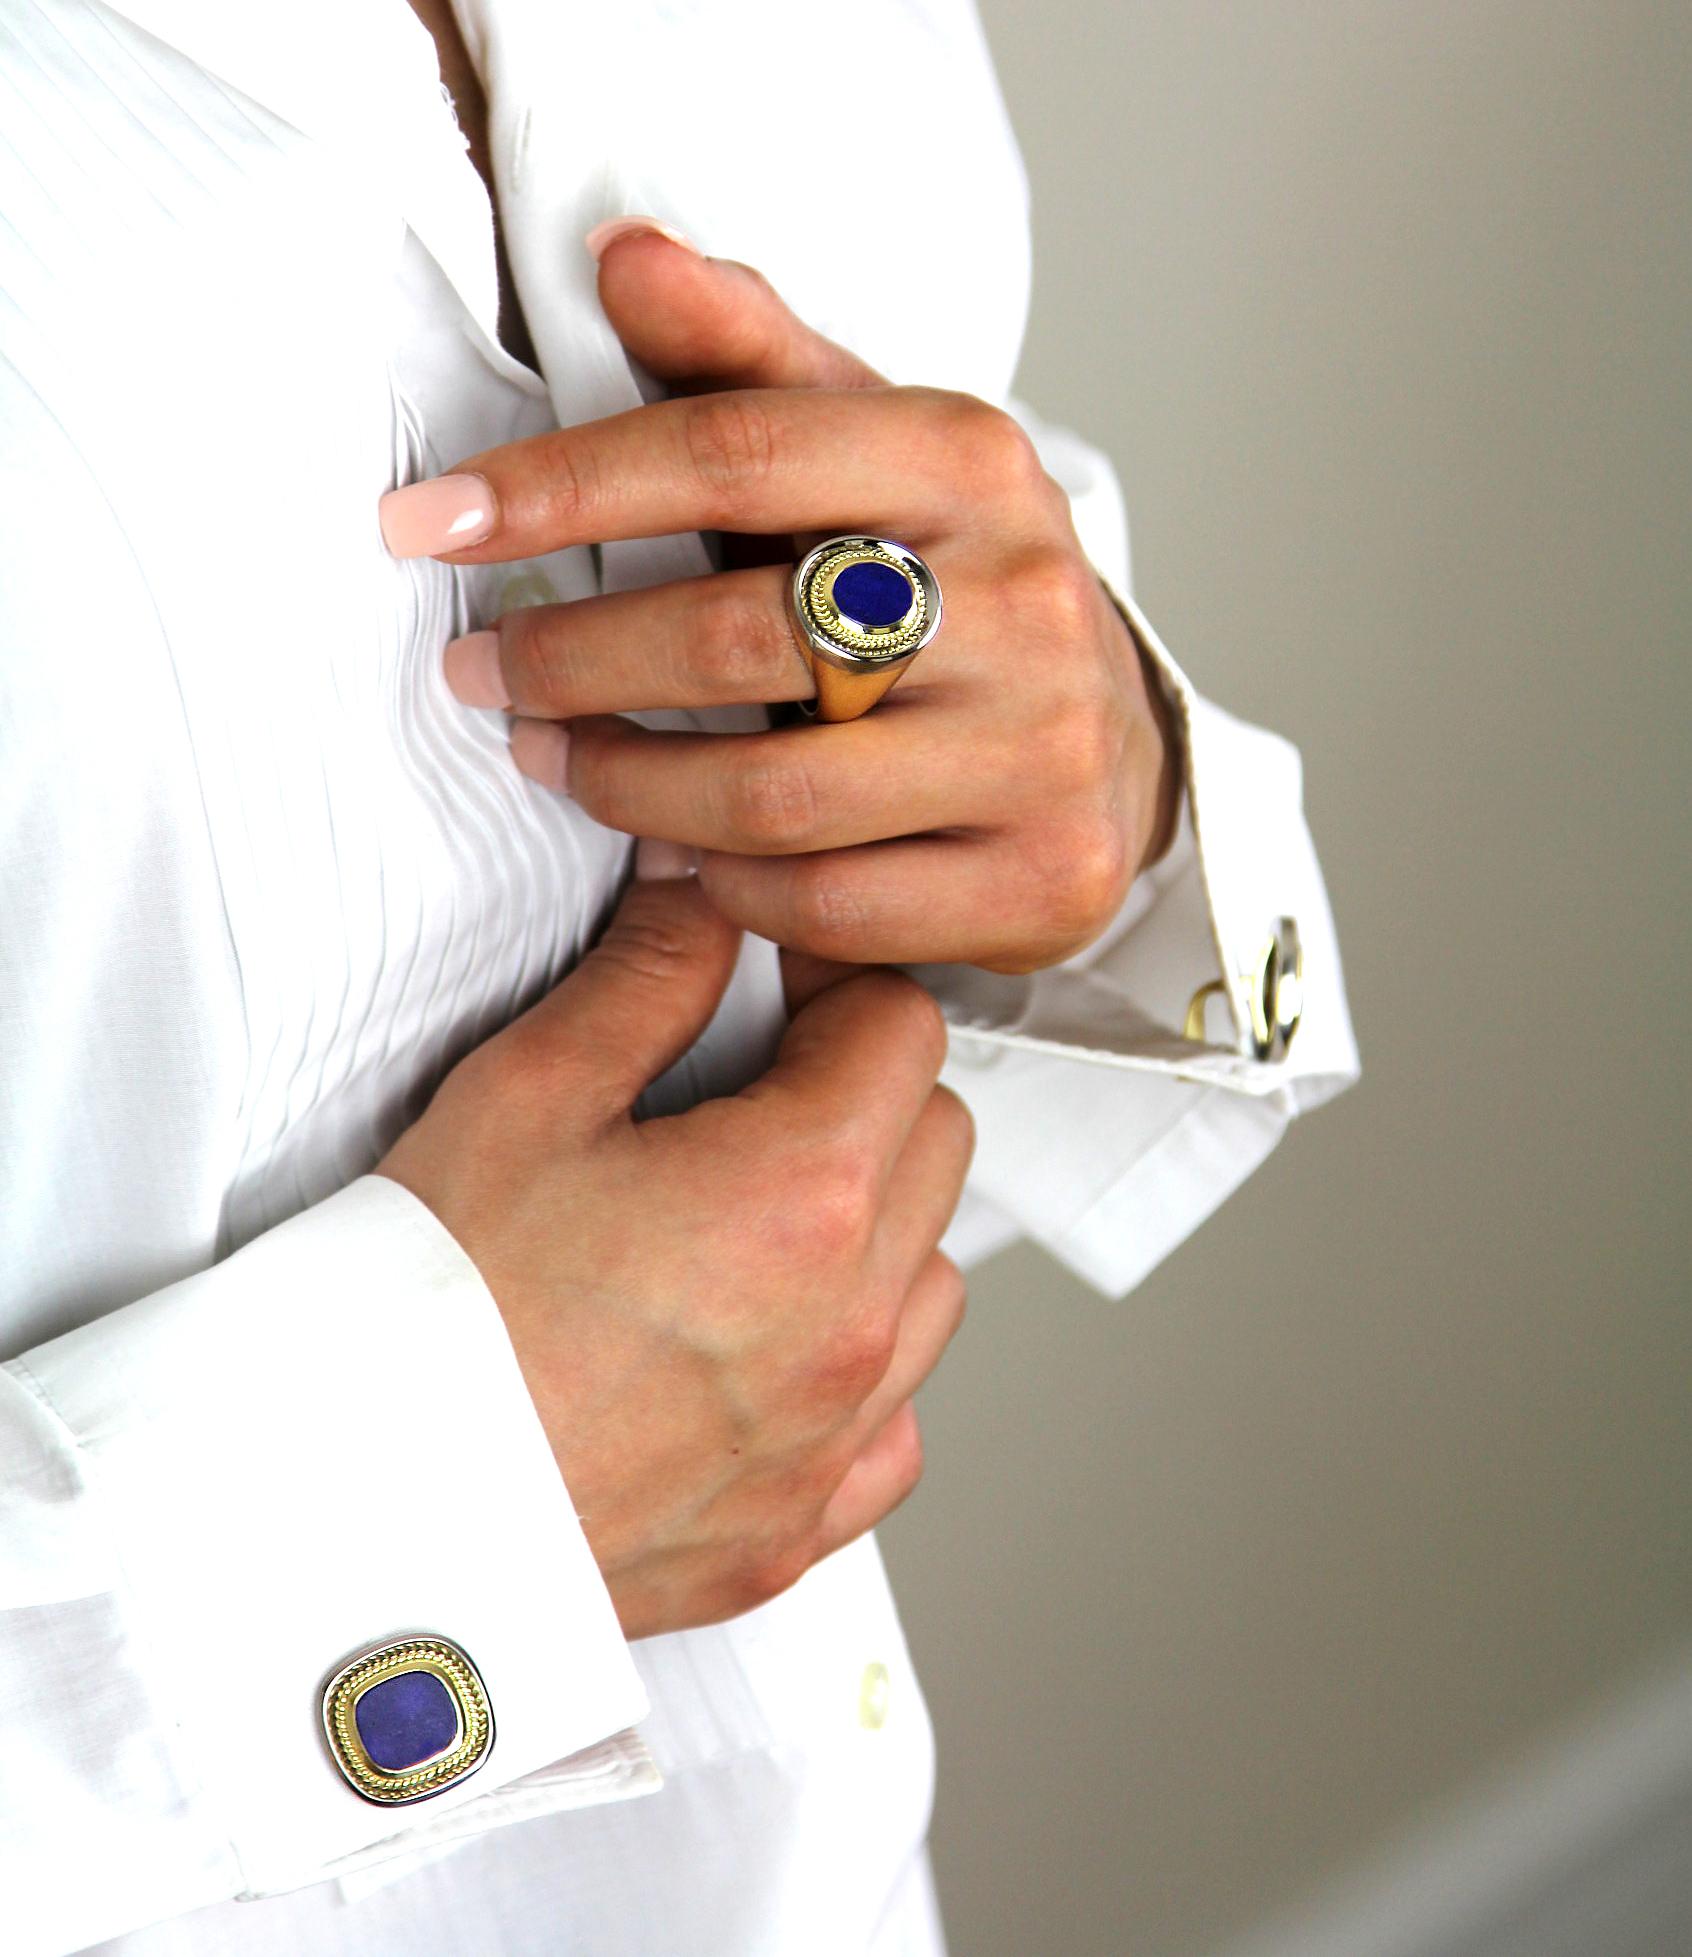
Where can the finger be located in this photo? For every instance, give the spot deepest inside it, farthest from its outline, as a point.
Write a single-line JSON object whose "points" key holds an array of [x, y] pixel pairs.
{"points": [[697, 642], [876, 1483], [790, 789], [854, 1072], [923, 1191], [910, 462], [635, 1003], [686, 317], [932, 1313], [911, 901]]}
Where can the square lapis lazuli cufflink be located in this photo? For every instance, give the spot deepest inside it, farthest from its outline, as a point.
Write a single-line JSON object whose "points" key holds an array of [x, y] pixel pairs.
{"points": [[407, 1719]]}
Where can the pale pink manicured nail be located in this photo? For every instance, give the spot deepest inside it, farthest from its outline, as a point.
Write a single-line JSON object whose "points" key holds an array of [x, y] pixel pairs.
{"points": [[658, 861], [472, 670], [623, 227], [447, 513], [541, 749]]}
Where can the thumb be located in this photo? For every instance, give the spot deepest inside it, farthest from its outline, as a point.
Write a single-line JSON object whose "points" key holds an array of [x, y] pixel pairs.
{"points": [[803, 977], [635, 1003], [711, 322]]}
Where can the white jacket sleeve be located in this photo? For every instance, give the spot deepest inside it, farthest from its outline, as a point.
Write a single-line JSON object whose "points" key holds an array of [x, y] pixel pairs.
{"points": [[208, 1499], [1102, 1133]]}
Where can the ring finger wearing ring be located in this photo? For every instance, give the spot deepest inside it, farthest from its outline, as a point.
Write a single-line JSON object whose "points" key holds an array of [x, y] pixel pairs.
{"points": [[726, 639]]}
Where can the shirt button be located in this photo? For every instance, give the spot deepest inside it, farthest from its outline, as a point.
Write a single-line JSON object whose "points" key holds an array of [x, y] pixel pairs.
{"points": [[525, 588], [872, 1697]]}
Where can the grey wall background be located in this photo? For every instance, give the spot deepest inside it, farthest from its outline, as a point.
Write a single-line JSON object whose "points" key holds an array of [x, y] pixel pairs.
{"points": [[1382, 310]]}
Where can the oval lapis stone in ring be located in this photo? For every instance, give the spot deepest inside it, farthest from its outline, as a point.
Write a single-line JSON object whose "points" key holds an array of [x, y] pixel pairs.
{"points": [[861, 609], [873, 596]]}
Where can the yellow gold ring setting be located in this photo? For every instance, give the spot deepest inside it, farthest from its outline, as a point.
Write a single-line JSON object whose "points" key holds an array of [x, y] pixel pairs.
{"points": [[861, 608]]}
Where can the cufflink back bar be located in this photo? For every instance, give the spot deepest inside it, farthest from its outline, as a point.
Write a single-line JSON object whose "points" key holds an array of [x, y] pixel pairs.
{"points": [[407, 1719], [1274, 989]]}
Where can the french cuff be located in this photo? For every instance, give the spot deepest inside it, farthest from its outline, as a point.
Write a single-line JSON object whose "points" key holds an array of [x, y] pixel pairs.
{"points": [[324, 1445], [1108, 1173], [1240, 872]]}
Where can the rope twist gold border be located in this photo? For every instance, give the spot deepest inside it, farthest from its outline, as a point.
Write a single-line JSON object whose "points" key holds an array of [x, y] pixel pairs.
{"points": [[817, 600]]}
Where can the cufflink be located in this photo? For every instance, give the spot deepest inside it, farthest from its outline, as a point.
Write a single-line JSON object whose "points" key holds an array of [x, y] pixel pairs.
{"points": [[1274, 989], [407, 1719]]}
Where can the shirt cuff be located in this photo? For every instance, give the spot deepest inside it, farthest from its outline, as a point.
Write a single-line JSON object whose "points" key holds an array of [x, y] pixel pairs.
{"points": [[1242, 859], [323, 1442], [1102, 1130]]}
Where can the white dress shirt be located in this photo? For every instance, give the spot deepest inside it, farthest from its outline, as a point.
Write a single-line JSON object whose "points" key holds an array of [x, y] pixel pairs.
{"points": [[262, 879]]}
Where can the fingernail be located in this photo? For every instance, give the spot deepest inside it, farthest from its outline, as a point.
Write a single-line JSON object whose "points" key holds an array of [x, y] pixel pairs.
{"points": [[658, 861], [541, 749], [446, 513], [614, 228], [472, 670]]}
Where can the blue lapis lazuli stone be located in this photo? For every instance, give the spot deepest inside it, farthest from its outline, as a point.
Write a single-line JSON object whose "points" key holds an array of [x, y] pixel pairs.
{"points": [[875, 595], [405, 1720]]}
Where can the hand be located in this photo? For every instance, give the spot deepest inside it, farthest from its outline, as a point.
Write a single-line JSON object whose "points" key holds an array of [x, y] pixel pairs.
{"points": [[721, 1316], [993, 809]]}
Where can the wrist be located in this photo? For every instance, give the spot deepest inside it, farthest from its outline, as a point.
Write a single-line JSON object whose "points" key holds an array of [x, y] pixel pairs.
{"points": [[1170, 772], [1156, 761]]}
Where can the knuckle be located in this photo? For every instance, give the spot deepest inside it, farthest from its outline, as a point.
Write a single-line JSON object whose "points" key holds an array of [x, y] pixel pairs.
{"points": [[803, 1238], [574, 485], [541, 666], [839, 1210], [644, 940], [1056, 591], [1099, 873], [1079, 878], [907, 1463], [954, 1288], [601, 781], [770, 806], [916, 1026], [761, 295], [730, 441], [733, 644], [761, 322], [828, 915], [528, 1073], [995, 446], [960, 1123], [853, 1361]]}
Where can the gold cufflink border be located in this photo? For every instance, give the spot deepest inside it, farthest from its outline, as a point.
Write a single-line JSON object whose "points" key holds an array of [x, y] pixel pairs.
{"points": [[453, 1666]]}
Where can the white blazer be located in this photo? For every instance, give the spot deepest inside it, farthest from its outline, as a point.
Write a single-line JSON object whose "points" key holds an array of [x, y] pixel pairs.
{"points": [[262, 880]]}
